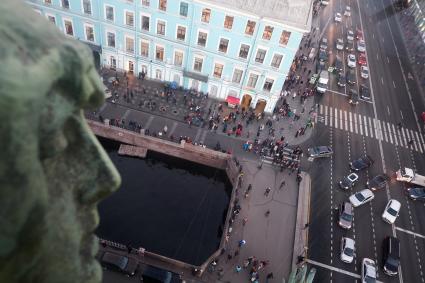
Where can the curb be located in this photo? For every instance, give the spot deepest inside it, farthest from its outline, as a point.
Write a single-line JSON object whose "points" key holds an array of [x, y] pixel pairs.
{"points": [[303, 216]]}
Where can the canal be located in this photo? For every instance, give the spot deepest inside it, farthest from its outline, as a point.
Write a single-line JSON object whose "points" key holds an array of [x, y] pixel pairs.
{"points": [[166, 205]]}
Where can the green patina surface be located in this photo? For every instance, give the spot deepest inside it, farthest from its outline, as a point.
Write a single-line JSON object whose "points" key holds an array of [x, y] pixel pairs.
{"points": [[53, 172]]}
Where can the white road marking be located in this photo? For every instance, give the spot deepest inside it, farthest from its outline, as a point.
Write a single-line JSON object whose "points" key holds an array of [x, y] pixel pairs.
{"points": [[127, 112], [395, 134], [404, 136], [345, 120], [414, 140], [173, 128], [373, 35], [389, 132], [388, 110], [401, 113], [388, 60], [365, 126], [320, 109], [383, 130], [326, 115], [382, 80], [370, 127], [419, 142], [410, 232], [355, 123], [351, 122], [377, 56], [330, 117], [394, 84], [149, 122], [340, 119]]}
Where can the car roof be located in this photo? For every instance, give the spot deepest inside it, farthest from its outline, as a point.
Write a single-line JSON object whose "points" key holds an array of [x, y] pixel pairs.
{"points": [[349, 242], [348, 207], [366, 192], [394, 246], [395, 204]]}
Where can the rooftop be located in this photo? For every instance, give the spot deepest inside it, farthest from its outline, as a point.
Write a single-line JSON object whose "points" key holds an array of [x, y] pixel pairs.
{"points": [[294, 13]]}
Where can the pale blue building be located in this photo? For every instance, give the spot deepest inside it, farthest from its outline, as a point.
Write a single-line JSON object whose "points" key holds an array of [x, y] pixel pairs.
{"points": [[236, 50]]}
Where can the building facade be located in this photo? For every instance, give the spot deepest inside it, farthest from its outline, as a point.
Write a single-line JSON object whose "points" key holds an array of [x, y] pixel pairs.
{"points": [[239, 50]]}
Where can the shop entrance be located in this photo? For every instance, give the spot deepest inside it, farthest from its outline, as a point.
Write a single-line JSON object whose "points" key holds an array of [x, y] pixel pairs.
{"points": [[130, 66], [261, 104], [246, 101]]}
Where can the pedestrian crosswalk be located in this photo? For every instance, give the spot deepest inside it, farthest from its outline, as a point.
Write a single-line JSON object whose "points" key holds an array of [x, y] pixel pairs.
{"points": [[370, 127]]}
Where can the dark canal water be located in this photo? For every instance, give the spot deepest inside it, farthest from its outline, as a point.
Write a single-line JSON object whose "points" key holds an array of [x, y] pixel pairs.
{"points": [[167, 205]]}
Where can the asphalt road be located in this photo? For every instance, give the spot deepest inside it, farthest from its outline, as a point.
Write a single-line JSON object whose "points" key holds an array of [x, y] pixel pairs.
{"points": [[368, 128]]}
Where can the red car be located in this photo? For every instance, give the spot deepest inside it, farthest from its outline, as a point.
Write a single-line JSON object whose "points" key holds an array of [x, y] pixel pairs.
{"points": [[362, 59], [359, 34]]}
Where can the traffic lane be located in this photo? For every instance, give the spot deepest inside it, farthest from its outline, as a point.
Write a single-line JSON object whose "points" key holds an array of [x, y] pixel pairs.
{"points": [[417, 97], [320, 206], [342, 152], [410, 258]]}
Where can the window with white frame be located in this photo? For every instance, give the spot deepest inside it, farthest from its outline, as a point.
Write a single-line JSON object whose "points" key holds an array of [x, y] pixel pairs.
{"points": [[267, 33], [158, 74], [277, 59], [181, 33], [144, 48], [65, 4], [284, 37], [228, 22], [202, 38], [218, 70], [178, 58], [261, 54], [252, 80], [87, 7], [250, 27], [111, 39], [145, 22], [268, 84], [159, 53], [197, 65], [51, 19], [160, 27], [69, 30], [184, 8], [113, 62], [237, 76], [206, 15], [129, 18], [162, 5], [146, 3], [109, 13], [89, 31], [129, 44], [243, 52], [224, 44]]}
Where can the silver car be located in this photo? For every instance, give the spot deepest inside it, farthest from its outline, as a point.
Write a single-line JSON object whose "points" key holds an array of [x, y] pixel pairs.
{"points": [[320, 151], [345, 219]]}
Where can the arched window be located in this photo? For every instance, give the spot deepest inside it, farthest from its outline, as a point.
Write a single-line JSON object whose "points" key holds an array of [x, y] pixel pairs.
{"points": [[213, 91], [158, 74]]}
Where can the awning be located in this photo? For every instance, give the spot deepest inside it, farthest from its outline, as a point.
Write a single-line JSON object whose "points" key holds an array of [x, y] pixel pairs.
{"points": [[232, 100]]}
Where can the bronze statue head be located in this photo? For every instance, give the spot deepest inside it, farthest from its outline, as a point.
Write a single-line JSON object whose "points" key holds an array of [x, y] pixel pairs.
{"points": [[53, 171]]}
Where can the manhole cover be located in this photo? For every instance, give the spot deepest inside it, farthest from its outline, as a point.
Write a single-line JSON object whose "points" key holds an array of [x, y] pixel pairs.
{"points": [[162, 108], [175, 112]]}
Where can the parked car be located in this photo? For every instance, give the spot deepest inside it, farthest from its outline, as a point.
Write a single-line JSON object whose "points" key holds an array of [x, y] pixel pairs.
{"points": [[320, 151], [347, 11], [345, 219], [361, 45], [354, 97], [391, 211], [361, 163], [378, 182], [350, 35], [362, 59], [324, 44], [119, 263], [416, 193], [364, 72], [340, 44], [368, 271], [349, 181], [391, 255], [351, 60], [361, 197], [338, 17], [324, 2], [351, 77], [341, 80], [347, 249], [364, 92]]}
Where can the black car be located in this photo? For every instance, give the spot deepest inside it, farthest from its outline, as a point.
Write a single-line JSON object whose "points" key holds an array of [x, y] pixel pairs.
{"points": [[349, 46], [391, 255], [378, 182], [416, 193], [351, 77], [349, 181], [361, 163], [354, 97], [341, 80], [338, 64], [364, 92], [323, 56]]}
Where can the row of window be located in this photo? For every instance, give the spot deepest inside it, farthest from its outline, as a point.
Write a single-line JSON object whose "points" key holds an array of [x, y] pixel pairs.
{"points": [[162, 5]]}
